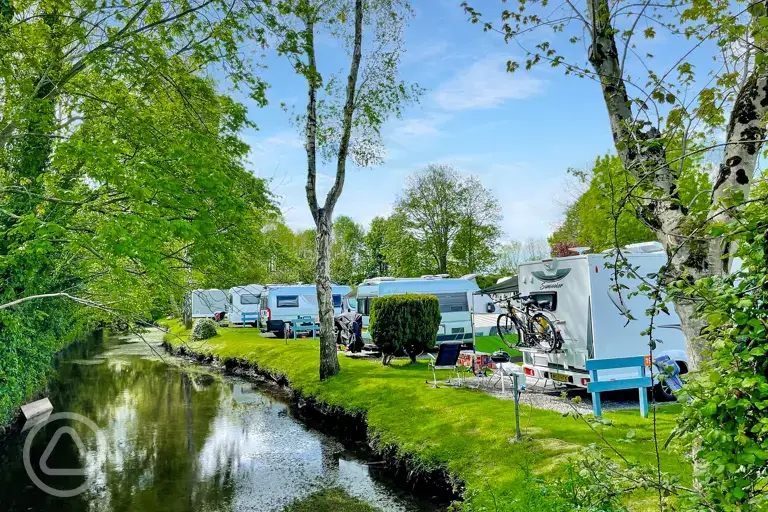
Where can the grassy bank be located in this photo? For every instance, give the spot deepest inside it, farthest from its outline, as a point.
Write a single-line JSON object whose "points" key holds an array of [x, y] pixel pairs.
{"points": [[466, 431]]}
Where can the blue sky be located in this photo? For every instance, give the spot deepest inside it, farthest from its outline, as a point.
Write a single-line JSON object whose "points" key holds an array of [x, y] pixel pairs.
{"points": [[519, 133]]}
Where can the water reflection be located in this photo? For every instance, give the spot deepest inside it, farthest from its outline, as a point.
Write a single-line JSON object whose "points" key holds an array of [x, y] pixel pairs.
{"points": [[176, 438]]}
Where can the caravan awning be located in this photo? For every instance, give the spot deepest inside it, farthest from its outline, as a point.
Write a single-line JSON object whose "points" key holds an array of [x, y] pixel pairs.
{"points": [[508, 286]]}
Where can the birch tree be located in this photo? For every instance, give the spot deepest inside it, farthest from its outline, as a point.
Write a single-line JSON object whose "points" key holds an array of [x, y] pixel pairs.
{"points": [[717, 82], [344, 114]]}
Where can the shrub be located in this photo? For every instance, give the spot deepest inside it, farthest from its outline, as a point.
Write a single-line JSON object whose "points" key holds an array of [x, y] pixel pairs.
{"points": [[203, 329], [407, 322]]}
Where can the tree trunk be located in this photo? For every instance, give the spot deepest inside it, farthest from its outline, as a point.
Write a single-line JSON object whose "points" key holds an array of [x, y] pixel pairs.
{"points": [[329, 361]]}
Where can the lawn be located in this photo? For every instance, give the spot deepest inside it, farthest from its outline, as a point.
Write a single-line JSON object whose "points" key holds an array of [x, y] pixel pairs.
{"points": [[491, 344], [469, 432]]}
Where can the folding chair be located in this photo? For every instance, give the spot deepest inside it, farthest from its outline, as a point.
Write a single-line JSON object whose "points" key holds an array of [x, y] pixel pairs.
{"points": [[447, 358]]}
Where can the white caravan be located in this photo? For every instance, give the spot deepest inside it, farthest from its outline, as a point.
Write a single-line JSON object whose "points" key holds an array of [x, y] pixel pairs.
{"points": [[283, 302], [579, 292], [244, 299], [205, 303], [456, 297]]}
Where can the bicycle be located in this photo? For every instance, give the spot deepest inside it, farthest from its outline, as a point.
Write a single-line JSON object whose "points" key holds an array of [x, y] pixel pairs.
{"points": [[535, 330]]}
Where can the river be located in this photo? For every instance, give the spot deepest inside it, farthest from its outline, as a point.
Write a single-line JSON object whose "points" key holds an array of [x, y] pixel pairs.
{"points": [[174, 436]]}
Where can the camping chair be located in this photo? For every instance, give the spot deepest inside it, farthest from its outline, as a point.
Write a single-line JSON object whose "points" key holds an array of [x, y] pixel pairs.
{"points": [[447, 357]]}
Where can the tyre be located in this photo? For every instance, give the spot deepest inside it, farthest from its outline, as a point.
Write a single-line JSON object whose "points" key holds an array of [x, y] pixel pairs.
{"points": [[547, 337], [662, 392], [509, 330], [281, 333]]}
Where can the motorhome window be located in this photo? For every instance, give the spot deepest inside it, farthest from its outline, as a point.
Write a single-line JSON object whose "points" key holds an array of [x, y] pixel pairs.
{"points": [[453, 302], [249, 298], [364, 305], [337, 301], [287, 301], [545, 300]]}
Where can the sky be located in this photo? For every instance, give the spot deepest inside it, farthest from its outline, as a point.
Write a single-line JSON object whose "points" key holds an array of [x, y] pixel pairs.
{"points": [[518, 133]]}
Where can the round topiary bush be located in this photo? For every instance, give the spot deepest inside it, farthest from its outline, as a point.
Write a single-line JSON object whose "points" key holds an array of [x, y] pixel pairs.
{"points": [[407, 322], [203, 329]]}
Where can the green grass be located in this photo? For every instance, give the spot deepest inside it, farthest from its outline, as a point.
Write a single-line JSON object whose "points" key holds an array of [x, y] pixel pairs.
{"points": [[329, 500], [491, 344], [467, 431]]}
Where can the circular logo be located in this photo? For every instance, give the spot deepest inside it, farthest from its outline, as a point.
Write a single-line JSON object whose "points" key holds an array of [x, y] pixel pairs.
{"points": [[45, 469]]}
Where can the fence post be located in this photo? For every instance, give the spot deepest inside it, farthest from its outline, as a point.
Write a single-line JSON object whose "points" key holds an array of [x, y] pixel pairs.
{"points": [[516, 394]]}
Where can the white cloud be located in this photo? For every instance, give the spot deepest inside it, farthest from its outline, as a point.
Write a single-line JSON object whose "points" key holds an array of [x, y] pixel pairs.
{"points": [[486, 84], [416, 127], [284, 139]]}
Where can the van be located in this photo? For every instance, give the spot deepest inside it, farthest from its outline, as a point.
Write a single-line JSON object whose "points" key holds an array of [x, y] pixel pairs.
{"points": [[281, 303], [206, 303], [578, 292], [244, 299], [456, 297]]}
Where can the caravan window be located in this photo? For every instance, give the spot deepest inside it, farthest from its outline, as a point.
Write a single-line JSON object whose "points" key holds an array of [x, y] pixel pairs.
{"points": [[545, 300], [287, 301], [337, 301], [249, 298], [453, 302]]}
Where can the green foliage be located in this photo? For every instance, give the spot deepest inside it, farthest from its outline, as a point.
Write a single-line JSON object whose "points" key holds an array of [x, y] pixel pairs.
{"points": [[589, 221], [725, 401], [347, 251], [409, 321], [453, 218], [203, 329], [601, 215], [122, 172]]}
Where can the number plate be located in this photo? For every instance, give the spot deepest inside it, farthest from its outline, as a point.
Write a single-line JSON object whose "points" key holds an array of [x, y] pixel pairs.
{"points": [[559, 377]]}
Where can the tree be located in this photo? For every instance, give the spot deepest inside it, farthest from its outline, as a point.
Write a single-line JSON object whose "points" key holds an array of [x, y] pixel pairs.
{"points": [[121, 168], [431, 205], [402, 251], [347, 251], [345, 121], [594, 219], [472, 249], [452, 217], [374, 258], [656, 125], [509, 255]]}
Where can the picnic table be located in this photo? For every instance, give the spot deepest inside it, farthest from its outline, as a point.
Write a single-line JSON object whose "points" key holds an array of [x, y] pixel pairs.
{"points": [[305, 324]]}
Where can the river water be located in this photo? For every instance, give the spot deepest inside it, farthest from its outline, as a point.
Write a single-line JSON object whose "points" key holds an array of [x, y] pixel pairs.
{"points": [[174, 436]]}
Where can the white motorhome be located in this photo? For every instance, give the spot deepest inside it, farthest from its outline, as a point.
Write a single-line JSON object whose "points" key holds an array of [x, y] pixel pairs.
{"points": [[579, 293], [244, 299], [456, 297], [205, 303], [284, 302]]}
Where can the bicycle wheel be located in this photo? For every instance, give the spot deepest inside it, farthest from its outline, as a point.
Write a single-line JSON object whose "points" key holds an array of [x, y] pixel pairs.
{"points": [[509, 330], [546, 335]]}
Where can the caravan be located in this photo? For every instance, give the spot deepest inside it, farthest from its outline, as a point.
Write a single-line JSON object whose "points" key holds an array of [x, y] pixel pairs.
{"points": [[456, 297], [206, 303], [578, 292], [284, 302], [244, 300]]}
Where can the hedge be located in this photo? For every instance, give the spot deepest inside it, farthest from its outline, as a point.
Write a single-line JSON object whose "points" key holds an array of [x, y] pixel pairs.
{"points": [[409, 322]]}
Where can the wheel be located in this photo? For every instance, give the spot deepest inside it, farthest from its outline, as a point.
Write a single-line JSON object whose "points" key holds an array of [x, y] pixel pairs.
{"points": [[509, 330], [662, 392], [282, 333], [548, 338]]}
